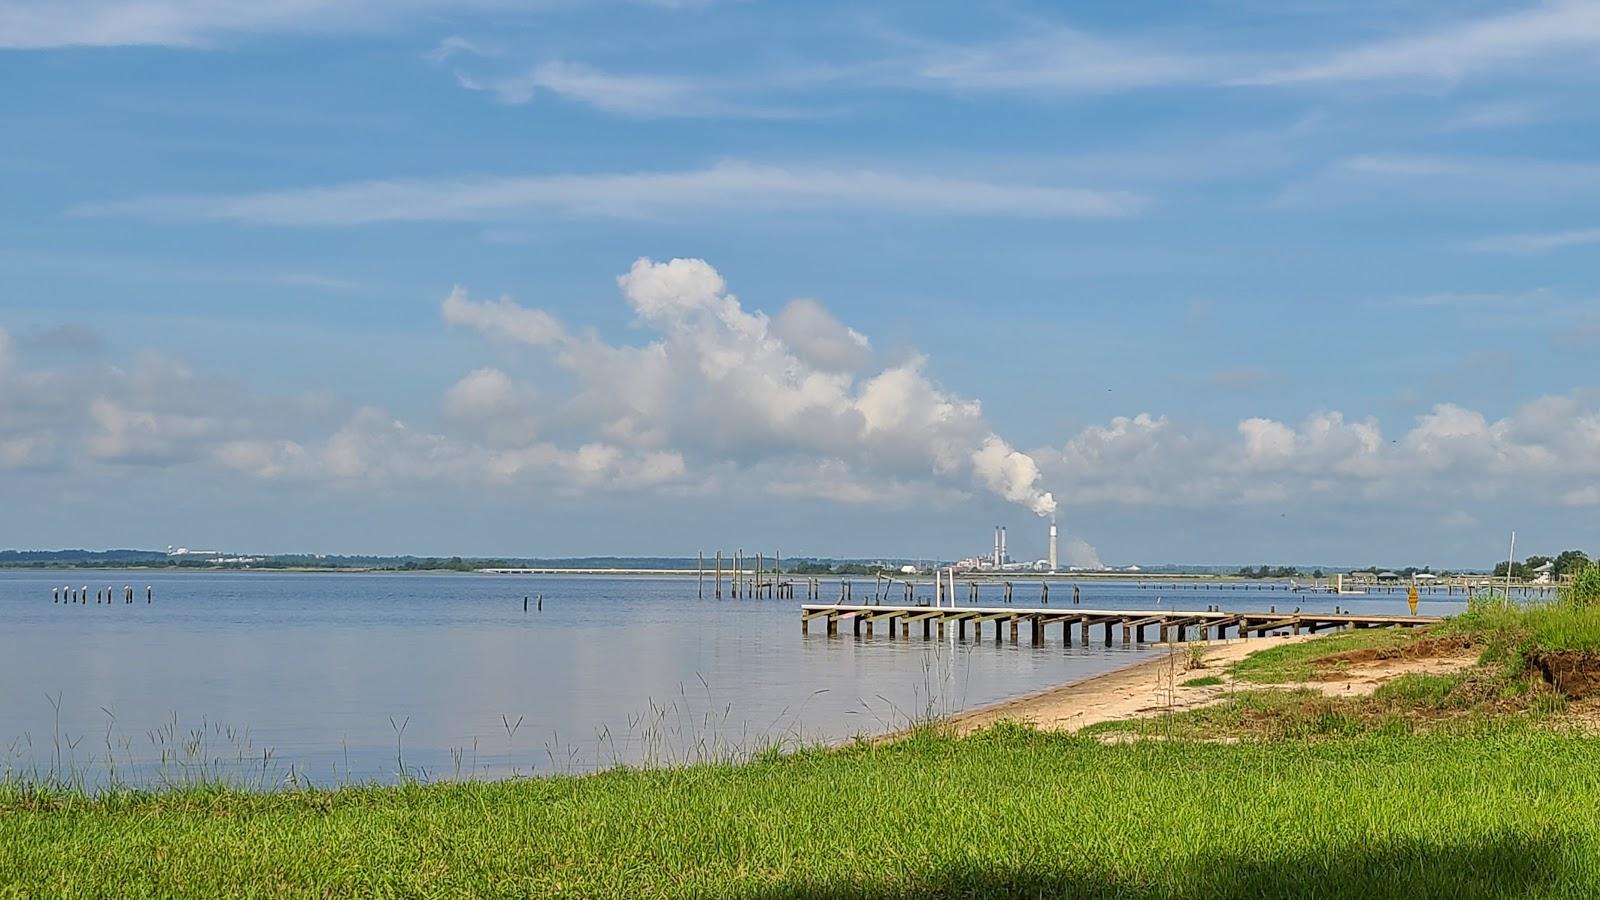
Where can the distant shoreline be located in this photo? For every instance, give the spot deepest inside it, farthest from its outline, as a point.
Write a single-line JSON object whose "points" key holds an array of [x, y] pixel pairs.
{"points": [[727, 573]]}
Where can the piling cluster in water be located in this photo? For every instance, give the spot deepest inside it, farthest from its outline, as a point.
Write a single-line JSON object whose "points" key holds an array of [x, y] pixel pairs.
{"points": [[108, 596]]}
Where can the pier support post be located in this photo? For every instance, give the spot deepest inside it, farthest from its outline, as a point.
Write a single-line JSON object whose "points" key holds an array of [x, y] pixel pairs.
{"points": [[1108, 634], [1085, 632], [1015, 627]]}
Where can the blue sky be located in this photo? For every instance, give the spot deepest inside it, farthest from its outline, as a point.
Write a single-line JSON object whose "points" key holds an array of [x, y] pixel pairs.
{"points": [[1228, 281]]}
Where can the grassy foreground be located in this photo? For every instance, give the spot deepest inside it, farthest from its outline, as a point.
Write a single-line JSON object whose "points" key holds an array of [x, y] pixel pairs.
{"points": [[1501, 812]]}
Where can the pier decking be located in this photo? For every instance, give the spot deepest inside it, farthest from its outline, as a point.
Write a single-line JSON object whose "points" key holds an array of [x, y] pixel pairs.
{"points": [[1167, 625]]}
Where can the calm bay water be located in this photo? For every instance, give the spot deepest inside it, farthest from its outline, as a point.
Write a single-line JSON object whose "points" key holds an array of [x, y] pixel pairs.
{"points": [[350, 677]]}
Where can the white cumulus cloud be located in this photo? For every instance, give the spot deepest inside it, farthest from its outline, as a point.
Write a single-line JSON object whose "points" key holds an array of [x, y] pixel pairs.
{"points": [[720, 381]]}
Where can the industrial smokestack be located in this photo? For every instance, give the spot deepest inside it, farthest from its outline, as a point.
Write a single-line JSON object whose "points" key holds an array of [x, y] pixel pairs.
{"points": [[1005, 555], [1052, 545], [997, 546]]}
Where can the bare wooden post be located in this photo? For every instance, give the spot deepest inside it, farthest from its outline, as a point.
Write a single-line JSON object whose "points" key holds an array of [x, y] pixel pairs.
{"points": [[1044, 592], [700, 574], [1085, 632], [1108, 632], [1038, 631], [717, 582], [1015, 627]]}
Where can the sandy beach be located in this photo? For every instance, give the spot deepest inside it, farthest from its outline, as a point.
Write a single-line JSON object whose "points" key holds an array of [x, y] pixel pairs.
{"points": [[1155, 686]]}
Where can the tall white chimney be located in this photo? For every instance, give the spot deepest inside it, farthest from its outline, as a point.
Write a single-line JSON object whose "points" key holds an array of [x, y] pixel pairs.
{"points": [[1052, 546], [997, 546], [1005, 555]]}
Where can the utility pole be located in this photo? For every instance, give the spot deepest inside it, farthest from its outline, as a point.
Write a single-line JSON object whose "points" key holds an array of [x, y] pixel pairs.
{"points": [[1510, 561]]}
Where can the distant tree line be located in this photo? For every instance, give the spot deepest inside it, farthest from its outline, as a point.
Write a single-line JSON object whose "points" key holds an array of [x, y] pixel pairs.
{"points": [[1405, 572], [827, 567], [1276, 572], [1567, 563]]}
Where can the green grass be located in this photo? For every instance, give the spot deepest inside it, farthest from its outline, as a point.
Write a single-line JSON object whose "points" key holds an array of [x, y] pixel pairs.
{"points": [[1422, 690], [1585, 587], [1005, 813], [1203, 681], [1509, 628], [1288, 663]]}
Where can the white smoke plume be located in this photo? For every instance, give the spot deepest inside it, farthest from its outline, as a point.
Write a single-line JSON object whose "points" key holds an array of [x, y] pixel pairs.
{"points": [[1082, 554], [719, 383]]}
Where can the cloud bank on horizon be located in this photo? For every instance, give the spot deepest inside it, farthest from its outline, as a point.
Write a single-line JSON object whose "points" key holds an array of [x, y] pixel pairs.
{"points": [[796, 403]]}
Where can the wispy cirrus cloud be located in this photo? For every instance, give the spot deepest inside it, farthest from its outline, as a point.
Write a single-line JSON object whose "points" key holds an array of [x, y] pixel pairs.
{"points": [[645, 96], [39, 24], [724, 187], [1447, 179], [1456, 50], [1053, 60], [1537, 243], [43, 24]]}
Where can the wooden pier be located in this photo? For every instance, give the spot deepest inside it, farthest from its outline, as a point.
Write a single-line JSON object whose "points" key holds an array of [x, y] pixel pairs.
{"points": [[1135, 625]]}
